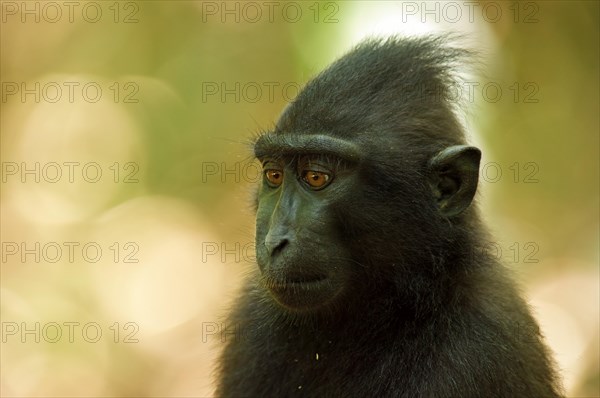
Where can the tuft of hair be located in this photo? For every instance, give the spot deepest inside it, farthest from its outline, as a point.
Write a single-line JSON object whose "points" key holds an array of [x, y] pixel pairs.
{"points": [[401, 84]]}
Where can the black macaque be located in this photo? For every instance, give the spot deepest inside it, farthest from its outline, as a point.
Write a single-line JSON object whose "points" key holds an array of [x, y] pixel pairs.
{"points": [[369, 280]]}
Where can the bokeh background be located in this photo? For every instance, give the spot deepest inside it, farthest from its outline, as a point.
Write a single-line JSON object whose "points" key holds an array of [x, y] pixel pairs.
{"points": [[127, 176]]}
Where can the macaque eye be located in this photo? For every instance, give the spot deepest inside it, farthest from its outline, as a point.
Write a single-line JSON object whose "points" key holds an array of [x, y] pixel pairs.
{"points": [[316, 179], [274, 177]]}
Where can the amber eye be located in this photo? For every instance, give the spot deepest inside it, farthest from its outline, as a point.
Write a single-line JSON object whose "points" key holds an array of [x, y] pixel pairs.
{"points": [[316, 179], [274, 177]]}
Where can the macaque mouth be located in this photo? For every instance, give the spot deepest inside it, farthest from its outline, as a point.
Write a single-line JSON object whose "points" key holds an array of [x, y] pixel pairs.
{"points": [[307, 278], [295, 279], [301, 290]]}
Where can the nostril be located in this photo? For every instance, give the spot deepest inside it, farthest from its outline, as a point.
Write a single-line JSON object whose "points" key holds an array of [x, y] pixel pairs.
{"points": [[276, 246], [280, 247]]}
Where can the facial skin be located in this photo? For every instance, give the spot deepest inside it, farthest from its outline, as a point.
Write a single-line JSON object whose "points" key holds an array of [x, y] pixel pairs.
{"points": [[301, 188], [301, 244]]}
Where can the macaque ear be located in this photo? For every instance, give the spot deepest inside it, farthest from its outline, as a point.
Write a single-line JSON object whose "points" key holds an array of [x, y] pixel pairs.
{"points": [[454, 173]]}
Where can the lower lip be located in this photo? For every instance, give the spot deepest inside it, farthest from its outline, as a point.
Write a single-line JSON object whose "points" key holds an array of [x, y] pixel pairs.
{"points": [[311, 284], [305, 295]]}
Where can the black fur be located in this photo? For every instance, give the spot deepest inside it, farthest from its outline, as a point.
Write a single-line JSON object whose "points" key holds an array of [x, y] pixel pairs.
{"points": [[422, 311]]}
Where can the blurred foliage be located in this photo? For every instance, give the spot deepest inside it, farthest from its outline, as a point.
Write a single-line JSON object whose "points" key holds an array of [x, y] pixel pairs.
{"points": [[559, 132]]}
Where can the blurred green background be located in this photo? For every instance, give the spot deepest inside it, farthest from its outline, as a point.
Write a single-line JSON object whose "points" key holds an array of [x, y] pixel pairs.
{"points": [[127, 174]]}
